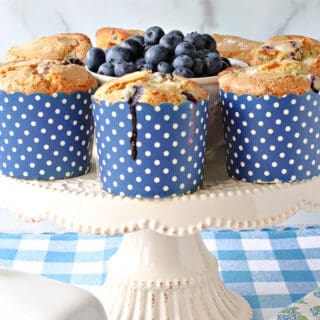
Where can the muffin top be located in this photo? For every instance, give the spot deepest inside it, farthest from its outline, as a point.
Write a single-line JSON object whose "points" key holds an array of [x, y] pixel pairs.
{"points": [[61, 46], [272, 78], [150, 88], [44, 76], [289, 47], [107, 37], [235, 47]]}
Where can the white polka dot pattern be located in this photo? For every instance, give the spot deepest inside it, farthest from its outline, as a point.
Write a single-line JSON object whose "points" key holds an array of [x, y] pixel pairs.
{"points": [[45, 137], [272, 139], [170, 148]]}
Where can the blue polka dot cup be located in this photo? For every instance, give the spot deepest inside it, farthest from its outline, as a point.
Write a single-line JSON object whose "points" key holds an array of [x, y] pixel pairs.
{"points": [[271, 139], [170, 147], [45, 137]]}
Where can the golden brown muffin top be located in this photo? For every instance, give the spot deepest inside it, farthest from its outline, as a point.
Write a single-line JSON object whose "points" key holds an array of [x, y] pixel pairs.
{"points": [[44, 76], [107, 37], [151, 88], [289, 47], [272, 78], [55, 47], [235, 47]]}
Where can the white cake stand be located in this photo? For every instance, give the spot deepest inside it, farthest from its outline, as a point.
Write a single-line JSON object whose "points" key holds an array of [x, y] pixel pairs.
{"points": [[163, 270]]}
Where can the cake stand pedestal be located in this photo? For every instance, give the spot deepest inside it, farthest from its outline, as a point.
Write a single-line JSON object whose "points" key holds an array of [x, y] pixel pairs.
{"points": [[163, 270], [154, 276]]}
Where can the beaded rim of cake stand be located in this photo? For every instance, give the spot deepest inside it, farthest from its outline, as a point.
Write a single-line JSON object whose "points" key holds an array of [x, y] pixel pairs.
{"points": [[88, 187]]}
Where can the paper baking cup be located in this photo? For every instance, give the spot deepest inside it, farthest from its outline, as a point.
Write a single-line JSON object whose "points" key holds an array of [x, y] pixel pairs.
{"points": [[270, 139], [45, 137], [170, 148]]}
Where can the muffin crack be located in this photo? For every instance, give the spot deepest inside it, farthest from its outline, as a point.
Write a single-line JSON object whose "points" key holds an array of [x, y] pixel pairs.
{"points": [[189, 97]]}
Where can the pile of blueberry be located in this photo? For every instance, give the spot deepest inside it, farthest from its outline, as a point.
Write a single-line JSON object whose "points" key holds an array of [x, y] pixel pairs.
{"points": [[190, 55]]}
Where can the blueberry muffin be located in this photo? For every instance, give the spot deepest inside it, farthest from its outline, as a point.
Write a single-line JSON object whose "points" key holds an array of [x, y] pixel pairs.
{"points": [[271, 120], [272, 78], [107, 37], [46, 126], [64, 46], [44, 76], [289, 47], [151, 131], [155, 89], [235, 47]]}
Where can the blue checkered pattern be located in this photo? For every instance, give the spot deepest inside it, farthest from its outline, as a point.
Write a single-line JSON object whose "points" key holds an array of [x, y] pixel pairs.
{"points": [[270, 268]]}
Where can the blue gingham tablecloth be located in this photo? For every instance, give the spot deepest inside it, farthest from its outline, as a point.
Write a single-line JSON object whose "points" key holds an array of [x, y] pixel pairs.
{"points": [[270, 268]]}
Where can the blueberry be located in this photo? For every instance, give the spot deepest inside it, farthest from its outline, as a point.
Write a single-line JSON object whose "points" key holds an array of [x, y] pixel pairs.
{"points": [[196, 39], [182, 61], [197, 68], [200, 43], [134, 46], [139, 62], [186, 48], [106, 52], [183, 72], [106, 69], [202, 53], [164, 67], [156, 54], [118, 54], [153, 35], [146, 48], [210, 42], [212, 64], [72, 60], [139, 38], [225, 63], [176, 33], [189, 96], [191, 36], [147, 66], [315, 83], [170, 41], [267, 47], [94, 58], [123, 68]]}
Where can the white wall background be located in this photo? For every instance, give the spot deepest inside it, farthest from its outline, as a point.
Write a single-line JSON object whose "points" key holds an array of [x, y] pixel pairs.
{"points": [[23, 20]]}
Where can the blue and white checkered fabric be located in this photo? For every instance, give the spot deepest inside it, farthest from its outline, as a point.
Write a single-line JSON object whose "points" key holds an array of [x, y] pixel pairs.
{"points": [[270, 268]]}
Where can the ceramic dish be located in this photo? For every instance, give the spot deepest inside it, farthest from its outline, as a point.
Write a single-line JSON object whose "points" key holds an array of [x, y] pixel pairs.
{"points": [[203, 81]]}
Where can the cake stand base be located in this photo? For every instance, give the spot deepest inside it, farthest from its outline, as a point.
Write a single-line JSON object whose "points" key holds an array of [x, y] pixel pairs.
{"points": [[154, 276]]}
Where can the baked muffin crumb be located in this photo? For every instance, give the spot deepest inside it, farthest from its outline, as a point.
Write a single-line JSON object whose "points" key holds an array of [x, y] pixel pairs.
{"points": [[62, 46], [274, 78], [44, 76], [289, 47], [155, 88]]}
